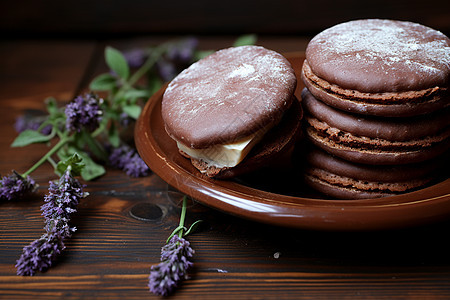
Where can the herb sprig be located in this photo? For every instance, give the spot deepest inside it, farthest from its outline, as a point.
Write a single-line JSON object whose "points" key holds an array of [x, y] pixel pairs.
{"points": [[87, 135], [60, 203], [175, 259]]}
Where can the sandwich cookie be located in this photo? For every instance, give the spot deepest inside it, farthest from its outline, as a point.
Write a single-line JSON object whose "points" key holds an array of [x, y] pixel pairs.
{"points": [[339, 178], [376, 99], [379, 67], [375, 140], [233, 110]]}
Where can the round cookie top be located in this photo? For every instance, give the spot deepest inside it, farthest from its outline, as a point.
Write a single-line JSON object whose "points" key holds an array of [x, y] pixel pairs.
{"points": [[227, 96], [377, 56]]}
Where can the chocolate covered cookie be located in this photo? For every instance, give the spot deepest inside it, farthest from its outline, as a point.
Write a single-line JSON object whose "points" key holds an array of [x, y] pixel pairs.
{"points": [[379, 67], [377, 95], [223, 106]]}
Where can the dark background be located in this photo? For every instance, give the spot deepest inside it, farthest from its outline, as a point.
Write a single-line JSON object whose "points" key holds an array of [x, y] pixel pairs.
{"points": [[113, 18]]}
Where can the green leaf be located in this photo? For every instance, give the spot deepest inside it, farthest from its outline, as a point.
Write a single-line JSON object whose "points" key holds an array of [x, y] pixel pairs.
{"points": [[75, 162], [135, 94], [113, 135], [94, 146], [51, 105], [193, 227], [103, 82], [133, 110], [91, 169], [244, 40], [117, 63], [175, 231], [202, 54], [29, 136], [154, 84], [110, 113], [63, 154], [78, 140]]}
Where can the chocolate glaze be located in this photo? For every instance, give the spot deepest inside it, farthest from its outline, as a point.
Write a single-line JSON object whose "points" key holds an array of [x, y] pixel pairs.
{"points": [[345, 180], [379, 56], [227, 96], [376, 140], [392, 129], [374, 156], [389, 104], [398, 173]]}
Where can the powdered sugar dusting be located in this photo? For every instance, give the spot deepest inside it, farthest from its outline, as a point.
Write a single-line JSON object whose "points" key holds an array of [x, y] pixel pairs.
{"points": [[243, 71], [383, 46]]}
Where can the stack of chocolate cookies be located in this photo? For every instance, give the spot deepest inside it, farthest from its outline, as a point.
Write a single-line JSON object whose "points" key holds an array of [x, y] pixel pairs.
{"points": [[376, 107]]}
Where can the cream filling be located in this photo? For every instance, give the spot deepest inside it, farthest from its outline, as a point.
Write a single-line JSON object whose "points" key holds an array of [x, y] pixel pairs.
{"points": [[226, 155]]}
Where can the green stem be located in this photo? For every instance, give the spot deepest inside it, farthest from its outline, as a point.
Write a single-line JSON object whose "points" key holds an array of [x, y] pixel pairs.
{"points": [[52, 151], [180, 228], [150, 62], [182, 217], [99, 130], [154, 56], [52, 162], [95, 146]]}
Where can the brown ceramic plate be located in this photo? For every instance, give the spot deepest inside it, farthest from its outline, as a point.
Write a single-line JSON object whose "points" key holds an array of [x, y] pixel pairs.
{"points": [[279, 197]]}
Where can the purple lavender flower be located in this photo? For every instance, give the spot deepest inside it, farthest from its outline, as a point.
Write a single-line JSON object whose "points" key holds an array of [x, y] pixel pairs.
{"points": [[83, 112], [15, 186], [135, 57], [179, 56], [166, 69], [40, 254], [175, 256], [183, 51], [23, 123], [61, 203], [128, 160], [124, 119]]}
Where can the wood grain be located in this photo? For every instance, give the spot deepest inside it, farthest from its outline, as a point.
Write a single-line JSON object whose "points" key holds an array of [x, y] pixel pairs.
{"points": [[110, 255]]}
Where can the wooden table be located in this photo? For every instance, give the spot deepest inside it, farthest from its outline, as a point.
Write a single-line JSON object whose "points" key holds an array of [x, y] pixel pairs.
{"points": [[117, 241]]}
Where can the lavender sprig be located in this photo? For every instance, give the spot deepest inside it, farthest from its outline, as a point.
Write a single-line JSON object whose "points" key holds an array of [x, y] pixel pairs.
{"points": [[34, 123], [136, 57], [88, 120], [177, 57], [164, 277], [15, 186], [60, 203], [175, 260], [83, 112], [40, 254], [127, 159], [85, 122]]}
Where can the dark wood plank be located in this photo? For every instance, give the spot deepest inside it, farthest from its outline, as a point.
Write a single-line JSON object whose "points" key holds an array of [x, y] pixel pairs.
{"points": [[110, 255], [42, 68]]}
